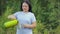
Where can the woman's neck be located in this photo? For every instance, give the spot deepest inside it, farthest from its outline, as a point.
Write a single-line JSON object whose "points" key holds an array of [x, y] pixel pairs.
{"points": [[25, 11]]}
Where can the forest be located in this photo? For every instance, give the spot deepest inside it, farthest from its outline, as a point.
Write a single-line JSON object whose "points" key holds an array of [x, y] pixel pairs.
{"points": [[47, 14]]}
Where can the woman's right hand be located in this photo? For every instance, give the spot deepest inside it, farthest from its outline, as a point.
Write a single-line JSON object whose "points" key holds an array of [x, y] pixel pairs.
{"points": [[12, 17]]}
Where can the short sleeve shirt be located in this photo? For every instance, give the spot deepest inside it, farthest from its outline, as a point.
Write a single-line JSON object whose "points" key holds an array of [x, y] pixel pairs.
{"points": [[24, 18]]}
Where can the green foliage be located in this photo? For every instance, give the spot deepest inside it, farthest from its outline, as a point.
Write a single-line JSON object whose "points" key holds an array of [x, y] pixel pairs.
{"points": [[47, 13]]}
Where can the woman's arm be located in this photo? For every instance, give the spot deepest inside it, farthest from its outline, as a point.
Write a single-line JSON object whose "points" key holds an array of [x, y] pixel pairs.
{"points": [[33, 25], [12, 17], [33, 20]]}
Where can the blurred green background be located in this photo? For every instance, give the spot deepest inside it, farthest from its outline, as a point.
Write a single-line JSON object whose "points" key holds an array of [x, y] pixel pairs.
{"points": [[47, 13]]}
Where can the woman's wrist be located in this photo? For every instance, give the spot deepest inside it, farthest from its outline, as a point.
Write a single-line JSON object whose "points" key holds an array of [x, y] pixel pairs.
{"points": [[28, 26]]}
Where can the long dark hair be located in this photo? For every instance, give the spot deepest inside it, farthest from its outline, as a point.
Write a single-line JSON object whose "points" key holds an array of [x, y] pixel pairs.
{"points": [[30, 8]]}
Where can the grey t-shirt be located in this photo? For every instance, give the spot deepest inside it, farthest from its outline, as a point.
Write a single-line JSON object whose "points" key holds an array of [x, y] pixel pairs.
{"points": [[24, 18]]}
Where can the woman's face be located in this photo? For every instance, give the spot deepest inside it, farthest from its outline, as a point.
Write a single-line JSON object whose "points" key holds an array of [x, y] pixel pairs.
{"points": [[25, 7]]}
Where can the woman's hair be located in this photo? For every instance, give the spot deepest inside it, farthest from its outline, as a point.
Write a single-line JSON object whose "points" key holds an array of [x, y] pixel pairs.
{"points": [[30, 8]]}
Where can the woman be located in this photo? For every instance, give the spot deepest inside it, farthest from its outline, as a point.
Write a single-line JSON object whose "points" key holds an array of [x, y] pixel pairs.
{"points": [[26, 19]]}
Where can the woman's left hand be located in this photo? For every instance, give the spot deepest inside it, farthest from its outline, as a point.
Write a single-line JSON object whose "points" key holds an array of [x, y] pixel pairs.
{"points": [[26, 25], [33, 25]]}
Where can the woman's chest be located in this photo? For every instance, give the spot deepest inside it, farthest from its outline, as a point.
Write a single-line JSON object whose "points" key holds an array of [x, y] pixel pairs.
{"points": [[24, 18]]}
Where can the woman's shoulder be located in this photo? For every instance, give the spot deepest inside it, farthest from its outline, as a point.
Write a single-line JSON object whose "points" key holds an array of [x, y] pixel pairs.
{"points": [[18, 12], [31, 13]]}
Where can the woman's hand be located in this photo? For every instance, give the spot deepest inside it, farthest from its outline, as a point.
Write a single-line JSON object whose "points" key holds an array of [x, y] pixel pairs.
{"points": [[33, 25], [26, 25], [12, 17]]}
